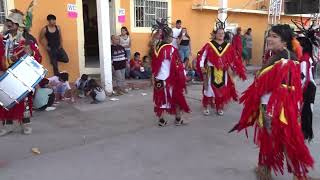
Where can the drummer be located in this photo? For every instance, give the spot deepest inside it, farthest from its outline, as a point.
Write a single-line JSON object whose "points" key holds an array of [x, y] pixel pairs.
{"points": [[13, 47]]}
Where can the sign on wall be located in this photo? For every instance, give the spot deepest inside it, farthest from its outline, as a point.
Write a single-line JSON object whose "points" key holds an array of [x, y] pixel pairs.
{"points": [[72, 10], [122, 15]]}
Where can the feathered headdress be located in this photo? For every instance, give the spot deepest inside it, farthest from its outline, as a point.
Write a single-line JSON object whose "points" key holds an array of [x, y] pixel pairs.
{"points": [[310, 32], [221, 24], [161, 26], [29, 16]]}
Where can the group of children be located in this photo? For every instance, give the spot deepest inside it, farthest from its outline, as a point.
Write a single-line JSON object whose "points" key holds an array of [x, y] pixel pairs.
{"points": [[52, 90]]}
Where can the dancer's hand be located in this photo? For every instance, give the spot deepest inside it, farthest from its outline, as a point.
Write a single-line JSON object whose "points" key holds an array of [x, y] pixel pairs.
{"points": [[203, 70]]}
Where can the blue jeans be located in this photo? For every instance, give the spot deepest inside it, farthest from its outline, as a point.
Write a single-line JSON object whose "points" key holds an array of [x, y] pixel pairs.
{"points": [[184, 52], [128, 54]]}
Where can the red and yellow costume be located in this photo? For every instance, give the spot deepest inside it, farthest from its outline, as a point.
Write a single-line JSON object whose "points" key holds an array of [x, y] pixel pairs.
{"points": [[170, 81], [218, 60], [271, 104], [18, 50]]}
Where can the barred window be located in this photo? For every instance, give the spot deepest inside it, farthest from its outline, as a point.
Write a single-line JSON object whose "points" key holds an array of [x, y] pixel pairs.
{"points": [[147, 11], [2, 11]]}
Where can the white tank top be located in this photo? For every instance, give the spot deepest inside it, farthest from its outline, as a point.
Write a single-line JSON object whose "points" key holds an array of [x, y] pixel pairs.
{"points": [[125, 42]]}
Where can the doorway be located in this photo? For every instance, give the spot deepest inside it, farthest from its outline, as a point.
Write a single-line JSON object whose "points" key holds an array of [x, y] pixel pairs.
{"points": [[91, 38]]}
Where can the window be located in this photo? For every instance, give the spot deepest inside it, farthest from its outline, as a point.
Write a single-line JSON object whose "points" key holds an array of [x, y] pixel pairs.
{"points": [[147, 11], [2, 11]]}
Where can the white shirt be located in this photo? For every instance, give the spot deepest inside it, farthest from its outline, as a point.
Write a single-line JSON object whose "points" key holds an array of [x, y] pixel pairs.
{"points": [[54, 82], [175, 33]]}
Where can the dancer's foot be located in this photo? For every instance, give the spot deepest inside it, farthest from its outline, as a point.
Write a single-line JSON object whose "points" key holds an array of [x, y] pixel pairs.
{"points": [[206, 112], [220, 112], [180, 122], [162, 122], [7, 129], [263, 173]]}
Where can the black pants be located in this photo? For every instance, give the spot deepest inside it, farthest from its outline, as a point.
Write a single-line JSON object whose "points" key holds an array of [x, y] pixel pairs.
{"points": [[50, 102], [54, 60]]}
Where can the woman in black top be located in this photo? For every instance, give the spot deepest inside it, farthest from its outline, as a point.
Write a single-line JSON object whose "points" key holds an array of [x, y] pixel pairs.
{"points": [[184, 42]]}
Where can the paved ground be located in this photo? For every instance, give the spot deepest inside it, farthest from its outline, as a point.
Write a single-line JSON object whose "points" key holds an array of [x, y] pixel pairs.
{"points": [[119, 140]]}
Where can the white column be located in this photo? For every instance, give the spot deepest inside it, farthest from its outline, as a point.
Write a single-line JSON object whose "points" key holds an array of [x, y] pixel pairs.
{"points": [[104, 44], [222, 12]]}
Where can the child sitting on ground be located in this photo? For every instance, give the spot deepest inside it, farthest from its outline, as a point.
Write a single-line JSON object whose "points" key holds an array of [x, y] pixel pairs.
{"points": [[96, 92], [147, 65], [82, 85], [44, 96], [137, 70], [61, 86]]}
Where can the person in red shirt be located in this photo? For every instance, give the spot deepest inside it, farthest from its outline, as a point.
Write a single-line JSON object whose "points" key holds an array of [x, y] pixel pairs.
{"points": [[237, 42], [137, 70]]}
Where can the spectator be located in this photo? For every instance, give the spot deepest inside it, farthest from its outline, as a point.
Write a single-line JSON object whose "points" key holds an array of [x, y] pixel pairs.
{"points": [[60, 85], [44, 97], [248, 39], [82, 85], [96, 92], [147, 65], [176, 32], [184, 42], [190, 69], [51, 39], [137, 70], [237, 42], [125, 42], [119, 63]]}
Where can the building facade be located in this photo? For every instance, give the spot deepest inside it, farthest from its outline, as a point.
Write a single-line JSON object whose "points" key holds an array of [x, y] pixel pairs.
{"points": [[80, 28]]}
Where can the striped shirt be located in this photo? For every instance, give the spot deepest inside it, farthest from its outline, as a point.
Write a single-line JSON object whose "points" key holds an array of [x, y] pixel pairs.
{"points": [[118, 57]]}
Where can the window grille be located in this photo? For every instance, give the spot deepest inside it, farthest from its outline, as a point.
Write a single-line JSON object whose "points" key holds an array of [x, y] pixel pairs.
{"points": [[147, 11]]}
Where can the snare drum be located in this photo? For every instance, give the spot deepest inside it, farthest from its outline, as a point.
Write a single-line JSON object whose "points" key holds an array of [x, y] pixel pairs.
{"points": [[19, 80]]}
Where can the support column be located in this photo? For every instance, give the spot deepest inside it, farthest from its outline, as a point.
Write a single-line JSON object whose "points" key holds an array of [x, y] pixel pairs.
{"points": [[104, 44], [222, 12]]}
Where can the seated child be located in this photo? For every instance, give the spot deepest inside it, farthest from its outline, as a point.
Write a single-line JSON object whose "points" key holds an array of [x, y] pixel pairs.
{"points": [[96, 92], [44, 96], [60, 85], [146, 63], [82, 85], [137, 70]]}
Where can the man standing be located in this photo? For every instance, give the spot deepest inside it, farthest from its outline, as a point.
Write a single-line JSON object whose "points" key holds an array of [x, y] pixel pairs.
{"points": [[51, 39], [176, 32], [119, 62], [248, 39]]}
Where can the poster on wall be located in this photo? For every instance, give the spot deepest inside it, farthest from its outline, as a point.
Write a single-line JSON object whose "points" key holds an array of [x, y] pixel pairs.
{"points": [[122, 16], [72, 11]]}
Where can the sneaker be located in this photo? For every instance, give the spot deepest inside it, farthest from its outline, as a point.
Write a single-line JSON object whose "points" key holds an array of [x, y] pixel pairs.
{"points": [[6, 130], [220, 113], [125, 91], [206, 112], [180, 122], [162, 122], [50, 108], [26, 129]]}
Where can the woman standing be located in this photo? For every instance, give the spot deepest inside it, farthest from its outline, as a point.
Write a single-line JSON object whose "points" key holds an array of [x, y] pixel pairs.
{"points": [[125, 41], [216, 61], [184, 43], [271, 103]]}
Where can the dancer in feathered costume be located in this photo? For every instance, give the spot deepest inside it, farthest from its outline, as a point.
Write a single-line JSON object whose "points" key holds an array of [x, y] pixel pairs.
{"points": [[217, 62], [169, 77], [308, 42], [15, 45], [271, 104]]}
